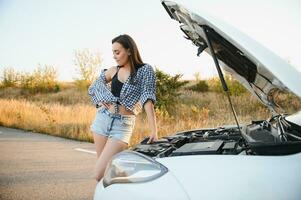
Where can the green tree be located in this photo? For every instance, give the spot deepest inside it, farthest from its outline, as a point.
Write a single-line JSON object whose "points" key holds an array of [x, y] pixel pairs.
{"points": [[167, 90], [197, 76], [235, 88], [88, 66], [43, 79], [200, 86], [9, 77]]}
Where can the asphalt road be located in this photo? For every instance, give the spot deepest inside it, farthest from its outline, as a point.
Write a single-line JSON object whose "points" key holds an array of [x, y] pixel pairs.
{"points": [[39, 166]]}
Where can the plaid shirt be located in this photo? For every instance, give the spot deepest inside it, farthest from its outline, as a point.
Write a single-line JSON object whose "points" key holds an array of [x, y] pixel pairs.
{"points": [[136, 90]]}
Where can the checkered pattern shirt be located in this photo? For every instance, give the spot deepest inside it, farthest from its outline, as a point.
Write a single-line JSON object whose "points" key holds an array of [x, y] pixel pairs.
{"points": [[136, 90]]}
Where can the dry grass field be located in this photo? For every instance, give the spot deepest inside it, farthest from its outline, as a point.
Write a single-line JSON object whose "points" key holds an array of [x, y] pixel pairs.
{"points": [[69, 112]]}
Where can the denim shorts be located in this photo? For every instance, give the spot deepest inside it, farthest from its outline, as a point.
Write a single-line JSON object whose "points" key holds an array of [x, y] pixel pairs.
{"points": [[113, 125]]}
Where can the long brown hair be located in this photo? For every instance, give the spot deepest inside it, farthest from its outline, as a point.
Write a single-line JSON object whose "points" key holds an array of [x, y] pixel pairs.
{"points": [[128, 43]]}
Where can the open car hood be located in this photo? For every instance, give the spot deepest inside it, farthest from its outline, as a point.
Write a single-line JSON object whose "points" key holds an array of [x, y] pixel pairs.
{"points": [[254, 66]]}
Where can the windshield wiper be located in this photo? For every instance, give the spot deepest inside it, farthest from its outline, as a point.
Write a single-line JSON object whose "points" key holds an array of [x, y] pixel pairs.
{"points": [[220, 74]]}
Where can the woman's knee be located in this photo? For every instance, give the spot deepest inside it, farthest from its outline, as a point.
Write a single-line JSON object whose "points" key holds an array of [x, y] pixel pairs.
{"points": [[100, 168], [111, 148]]}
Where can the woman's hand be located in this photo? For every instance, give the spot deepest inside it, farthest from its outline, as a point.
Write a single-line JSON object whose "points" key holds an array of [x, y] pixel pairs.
{"points": [[106, 105], [152, 138]]}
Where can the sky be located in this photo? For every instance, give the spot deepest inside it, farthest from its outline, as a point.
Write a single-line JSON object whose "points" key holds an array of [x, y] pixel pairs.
{"points": [[48, 32]]}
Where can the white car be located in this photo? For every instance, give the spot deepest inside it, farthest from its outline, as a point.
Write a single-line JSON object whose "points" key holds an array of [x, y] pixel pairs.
{"points": [[261, 160]]}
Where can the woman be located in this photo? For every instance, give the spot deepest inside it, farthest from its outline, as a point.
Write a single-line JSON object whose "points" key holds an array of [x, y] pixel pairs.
{"points": [[132, 87]]}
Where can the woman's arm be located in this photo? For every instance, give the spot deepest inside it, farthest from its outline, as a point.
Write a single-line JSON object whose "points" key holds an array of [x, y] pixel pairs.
{"points": [[108, 78], [98, 87], [151, 118], [148, 99]]}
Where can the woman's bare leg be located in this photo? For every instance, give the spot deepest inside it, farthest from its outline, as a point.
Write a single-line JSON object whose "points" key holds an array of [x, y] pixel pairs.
{"points": [[100, 142], [112, 147]]}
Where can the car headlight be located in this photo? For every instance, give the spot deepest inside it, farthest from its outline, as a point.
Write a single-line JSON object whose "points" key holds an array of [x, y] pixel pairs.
{"points": [[132, 167]]}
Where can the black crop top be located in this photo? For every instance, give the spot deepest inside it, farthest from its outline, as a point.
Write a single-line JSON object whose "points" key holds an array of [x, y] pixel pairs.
{"points": [[116, 84]]}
